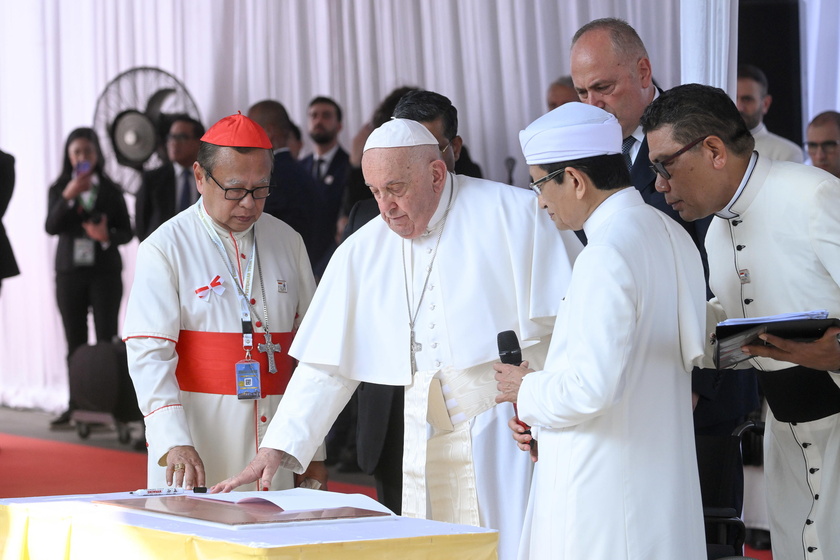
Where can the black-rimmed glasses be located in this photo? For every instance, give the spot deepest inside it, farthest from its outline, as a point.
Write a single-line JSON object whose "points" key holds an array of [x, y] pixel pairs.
{"points": [[536, 186], [236, 193], [659, 166]]}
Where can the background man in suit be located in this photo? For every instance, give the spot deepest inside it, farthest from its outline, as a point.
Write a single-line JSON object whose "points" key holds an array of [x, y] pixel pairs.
{"points": [[170, 188], [611, 70], [8, 265], [329, 166], [823, 141], [294, 198], [753, 101]]}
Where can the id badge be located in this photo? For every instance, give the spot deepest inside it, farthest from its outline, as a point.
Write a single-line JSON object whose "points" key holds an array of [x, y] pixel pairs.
{"points": [[247, 379], [84, 251]]}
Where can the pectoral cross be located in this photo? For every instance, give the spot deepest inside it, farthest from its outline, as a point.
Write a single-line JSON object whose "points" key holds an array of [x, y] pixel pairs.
{"points": [[269, 348], [415, 347]]}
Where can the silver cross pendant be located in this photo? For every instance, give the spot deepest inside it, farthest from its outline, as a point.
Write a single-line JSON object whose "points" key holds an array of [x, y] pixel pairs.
{"points": [[269, 348]]}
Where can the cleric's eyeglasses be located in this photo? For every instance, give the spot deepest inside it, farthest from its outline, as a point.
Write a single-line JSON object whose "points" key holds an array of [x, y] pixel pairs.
{"points": [[536, 186], [236, 193], [659, 166]]}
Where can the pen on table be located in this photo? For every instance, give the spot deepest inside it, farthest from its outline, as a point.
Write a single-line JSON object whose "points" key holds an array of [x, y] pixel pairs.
{"points": [[165, 491], [157, 491]]}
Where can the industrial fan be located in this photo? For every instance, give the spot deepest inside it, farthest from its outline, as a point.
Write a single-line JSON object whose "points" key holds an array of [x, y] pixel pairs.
{"points": [[132, 118]]}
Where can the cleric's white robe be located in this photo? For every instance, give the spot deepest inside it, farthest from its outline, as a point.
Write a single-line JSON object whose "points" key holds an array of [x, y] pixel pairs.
{"points": [[786, 236], [617, 471], [172, 263], [497, 256]]}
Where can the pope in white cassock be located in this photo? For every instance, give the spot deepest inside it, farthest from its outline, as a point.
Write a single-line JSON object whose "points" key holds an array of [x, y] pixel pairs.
{"points": [[218, 293], [417, 299], [616, 474]]}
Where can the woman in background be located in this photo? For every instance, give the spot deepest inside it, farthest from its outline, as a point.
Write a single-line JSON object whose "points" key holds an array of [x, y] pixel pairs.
{"points": [[88, 213]]}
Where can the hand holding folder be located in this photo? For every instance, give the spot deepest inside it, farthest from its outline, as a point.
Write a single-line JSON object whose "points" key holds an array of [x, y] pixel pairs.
{"points": [[808, 339]]}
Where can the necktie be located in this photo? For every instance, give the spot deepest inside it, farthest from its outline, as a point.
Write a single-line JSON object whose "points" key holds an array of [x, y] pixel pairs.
{"points": [[185, 196], [316, 168], [625, 150]]}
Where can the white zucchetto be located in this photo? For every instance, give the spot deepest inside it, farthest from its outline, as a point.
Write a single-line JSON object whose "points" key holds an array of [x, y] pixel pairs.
{"points": [[571, 131], [400, 133]]}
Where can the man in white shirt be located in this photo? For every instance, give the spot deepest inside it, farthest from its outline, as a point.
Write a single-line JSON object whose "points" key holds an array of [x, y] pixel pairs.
{"points": [[612, 408], [753, 101], [417, 299], [773, 248]]}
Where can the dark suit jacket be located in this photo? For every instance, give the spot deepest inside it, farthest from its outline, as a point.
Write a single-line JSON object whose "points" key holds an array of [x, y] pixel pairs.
{"points": [[65, 220], [295, 200], [331, 187], [724, 396], [155, 202], [8, 264]]}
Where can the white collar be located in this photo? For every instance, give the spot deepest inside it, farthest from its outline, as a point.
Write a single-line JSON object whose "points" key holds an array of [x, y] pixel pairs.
{"points": [[726, 212], [327, 156], [445, 202], [223, 231]]}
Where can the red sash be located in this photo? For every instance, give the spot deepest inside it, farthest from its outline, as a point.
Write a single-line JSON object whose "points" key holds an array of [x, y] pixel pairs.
{"points": [[206, 362]]}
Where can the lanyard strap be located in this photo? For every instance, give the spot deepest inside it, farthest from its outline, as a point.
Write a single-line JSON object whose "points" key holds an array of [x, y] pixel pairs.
{"points": [[244, 288]]}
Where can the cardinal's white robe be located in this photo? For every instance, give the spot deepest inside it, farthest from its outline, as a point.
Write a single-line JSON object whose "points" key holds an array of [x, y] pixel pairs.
{"points": [[174, 262]]}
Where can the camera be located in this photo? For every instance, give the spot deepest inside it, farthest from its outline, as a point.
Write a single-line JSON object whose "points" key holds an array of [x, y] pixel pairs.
{"points": [[95, 216]]}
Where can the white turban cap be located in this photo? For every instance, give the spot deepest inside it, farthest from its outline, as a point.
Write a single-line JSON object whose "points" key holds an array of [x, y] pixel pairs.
{"points": [[571, 131], [400, 133]]}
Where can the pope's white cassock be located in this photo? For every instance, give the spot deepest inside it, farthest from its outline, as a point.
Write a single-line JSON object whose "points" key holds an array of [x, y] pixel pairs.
{"points": [[617, 470], [500, 265], [183, 332]]}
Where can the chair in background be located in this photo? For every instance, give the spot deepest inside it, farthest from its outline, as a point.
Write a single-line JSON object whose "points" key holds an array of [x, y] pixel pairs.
{"points": [[725, 530]]}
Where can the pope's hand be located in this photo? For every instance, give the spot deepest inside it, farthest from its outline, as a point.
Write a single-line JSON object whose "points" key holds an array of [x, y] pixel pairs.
{"points": [[262, 468], [184, 467], [822, 354]]}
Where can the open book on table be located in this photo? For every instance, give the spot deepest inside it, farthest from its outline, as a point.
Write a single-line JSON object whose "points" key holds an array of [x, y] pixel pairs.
{"points": [[248, 508]]}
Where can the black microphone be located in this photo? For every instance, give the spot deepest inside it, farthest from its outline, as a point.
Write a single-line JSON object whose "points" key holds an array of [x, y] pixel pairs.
{"points": [[511, 353], [510, 163]]}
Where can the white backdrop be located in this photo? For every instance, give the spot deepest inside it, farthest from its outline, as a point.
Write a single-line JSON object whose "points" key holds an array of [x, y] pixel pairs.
{"points": [[493, 58]]}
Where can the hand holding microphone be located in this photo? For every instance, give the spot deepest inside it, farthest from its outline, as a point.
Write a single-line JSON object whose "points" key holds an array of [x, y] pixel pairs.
{"points": [[510, 353]]}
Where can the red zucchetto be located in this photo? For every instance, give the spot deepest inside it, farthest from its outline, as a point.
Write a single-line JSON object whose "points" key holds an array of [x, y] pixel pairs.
{"points": [[237, 131]]}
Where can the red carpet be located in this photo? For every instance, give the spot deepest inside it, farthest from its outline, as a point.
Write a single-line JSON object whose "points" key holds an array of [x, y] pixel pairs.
{"points": [[758, 554], [36, 467]]}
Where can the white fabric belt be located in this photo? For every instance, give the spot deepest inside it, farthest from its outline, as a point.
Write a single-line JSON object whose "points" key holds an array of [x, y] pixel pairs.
{"points": [[439, 471]]}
